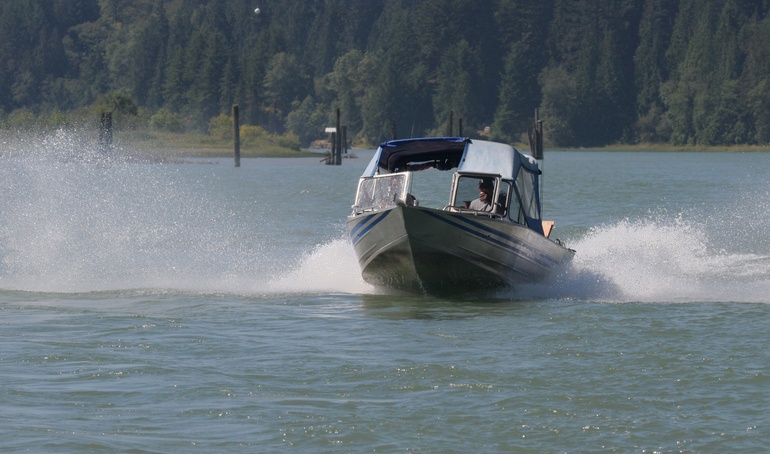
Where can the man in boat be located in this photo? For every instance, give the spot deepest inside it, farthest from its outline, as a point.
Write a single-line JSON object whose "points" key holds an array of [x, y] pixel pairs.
{"points": [[484, 202]]}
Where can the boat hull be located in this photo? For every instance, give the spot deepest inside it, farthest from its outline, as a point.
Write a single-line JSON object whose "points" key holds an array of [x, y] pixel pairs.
{"points": [[440, 252]]}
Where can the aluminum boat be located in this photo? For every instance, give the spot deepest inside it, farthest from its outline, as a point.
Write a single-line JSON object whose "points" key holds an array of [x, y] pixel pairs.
{"points": [[461, 246]]}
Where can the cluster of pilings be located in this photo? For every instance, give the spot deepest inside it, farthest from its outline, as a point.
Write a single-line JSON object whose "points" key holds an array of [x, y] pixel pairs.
{"points": [[339, 140]]}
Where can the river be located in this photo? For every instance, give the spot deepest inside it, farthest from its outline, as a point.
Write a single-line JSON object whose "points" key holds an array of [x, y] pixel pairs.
{"points": [[193, 306]]}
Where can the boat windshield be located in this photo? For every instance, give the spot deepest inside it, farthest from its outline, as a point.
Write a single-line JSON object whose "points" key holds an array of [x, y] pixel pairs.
{"points": [[468, 187], [380, 192]]}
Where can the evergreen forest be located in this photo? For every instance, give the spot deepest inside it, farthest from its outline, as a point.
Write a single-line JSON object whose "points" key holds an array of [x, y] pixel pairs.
{"points": [[679, 72]]}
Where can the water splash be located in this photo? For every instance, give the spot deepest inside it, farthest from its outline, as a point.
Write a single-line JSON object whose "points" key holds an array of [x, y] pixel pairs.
{"points": [[660, 259], [73, 219], [330, 267]]}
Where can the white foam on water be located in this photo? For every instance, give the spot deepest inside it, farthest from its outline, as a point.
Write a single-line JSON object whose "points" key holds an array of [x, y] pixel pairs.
{"points": [[329, 267], [659, 259], [72, 220]]}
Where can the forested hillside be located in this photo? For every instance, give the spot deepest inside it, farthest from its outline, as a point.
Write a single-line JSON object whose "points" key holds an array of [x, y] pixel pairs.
{"points": [[601, 71]]}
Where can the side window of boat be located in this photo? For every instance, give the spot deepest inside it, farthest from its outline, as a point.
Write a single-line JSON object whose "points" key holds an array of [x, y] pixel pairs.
{"points": [[515, 213], [467, 190], [503, 199], [366, 192], [389, 189], [526, 189]]}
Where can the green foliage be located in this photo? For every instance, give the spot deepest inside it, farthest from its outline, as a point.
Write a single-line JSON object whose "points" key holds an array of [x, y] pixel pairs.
{"points": [[601, 71], [288, 140], [250, 133], [560, 102], [520, 93], [166, 120], [20, 119], [221, 127], [348, 87], [652, 127], [759, 106], [284, 82], [454, 87], [650, 70], [116, 102], [307, 122]]}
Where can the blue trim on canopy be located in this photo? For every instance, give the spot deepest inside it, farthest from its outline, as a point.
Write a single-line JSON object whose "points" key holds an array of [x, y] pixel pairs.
{"points": [[443, 153]]}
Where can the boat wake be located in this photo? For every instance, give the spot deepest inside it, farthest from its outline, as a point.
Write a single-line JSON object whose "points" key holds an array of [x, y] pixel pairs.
{"points": [[657, 260], [330, 267], [648, 260], [52, 249]]}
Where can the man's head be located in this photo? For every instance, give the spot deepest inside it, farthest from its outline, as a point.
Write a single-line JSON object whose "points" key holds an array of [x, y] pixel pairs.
{"points": [[486, 188]]}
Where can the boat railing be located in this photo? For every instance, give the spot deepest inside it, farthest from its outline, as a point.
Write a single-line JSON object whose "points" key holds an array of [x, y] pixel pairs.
{"points": [[472, 212]]}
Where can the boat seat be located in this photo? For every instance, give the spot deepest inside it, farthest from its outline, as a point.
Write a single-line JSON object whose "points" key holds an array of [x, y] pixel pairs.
{"points": [[500, 207], [411, 200], [547, 227]]}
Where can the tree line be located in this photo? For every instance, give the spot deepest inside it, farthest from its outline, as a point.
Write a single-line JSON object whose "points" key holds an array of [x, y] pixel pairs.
{"points": [[600, 71]]}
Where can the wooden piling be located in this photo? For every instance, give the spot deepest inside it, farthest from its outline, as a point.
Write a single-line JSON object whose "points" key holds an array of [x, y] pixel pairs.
{"points": [[236, 136], [338, 155], [536, 137], [105, 132]]}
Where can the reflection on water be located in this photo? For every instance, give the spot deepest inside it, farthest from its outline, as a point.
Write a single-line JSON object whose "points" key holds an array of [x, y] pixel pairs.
{"points": [[410, 307]]}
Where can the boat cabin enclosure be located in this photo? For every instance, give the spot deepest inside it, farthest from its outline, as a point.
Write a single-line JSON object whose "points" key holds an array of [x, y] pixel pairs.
{"points": [[514, 177]]}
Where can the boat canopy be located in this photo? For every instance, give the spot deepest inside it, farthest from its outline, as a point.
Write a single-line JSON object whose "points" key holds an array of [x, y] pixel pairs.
{"points": [[473, 158], [446, 153]]}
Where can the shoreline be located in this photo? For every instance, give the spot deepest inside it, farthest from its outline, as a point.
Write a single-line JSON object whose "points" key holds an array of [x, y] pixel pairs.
{"points": [[673, 148], [164, 145]]}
